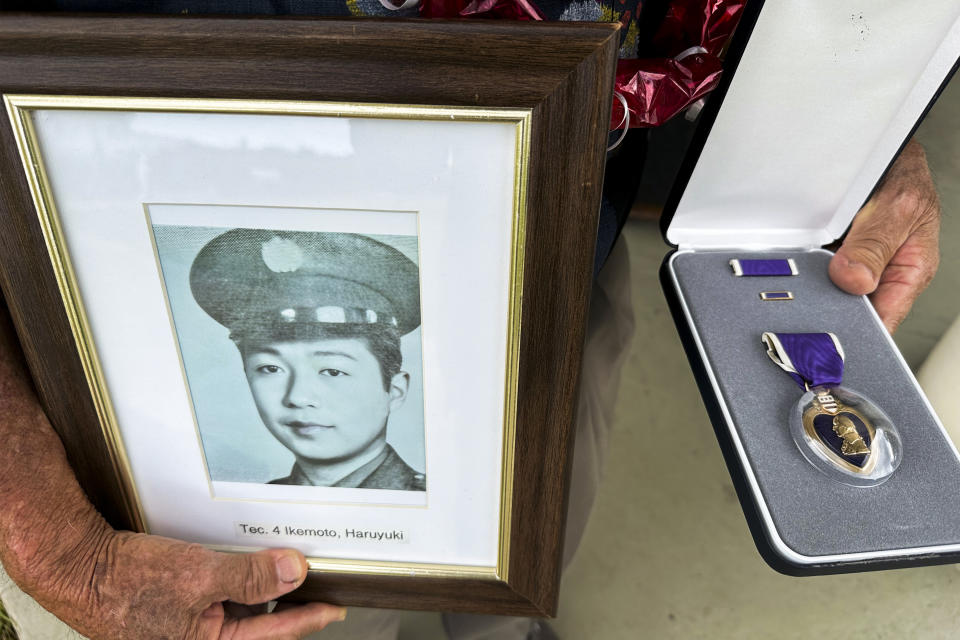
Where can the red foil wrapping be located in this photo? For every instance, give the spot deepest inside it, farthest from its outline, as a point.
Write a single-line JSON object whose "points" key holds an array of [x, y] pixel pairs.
{"points": [[690, 39], [704, 23], [656, 89]]}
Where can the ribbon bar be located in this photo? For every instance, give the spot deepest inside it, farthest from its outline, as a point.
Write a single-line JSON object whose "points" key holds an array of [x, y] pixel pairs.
{"points": [[811, 359], [785, 267], [776, 295]]}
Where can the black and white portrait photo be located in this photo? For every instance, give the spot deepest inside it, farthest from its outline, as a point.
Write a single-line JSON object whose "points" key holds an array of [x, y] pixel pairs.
{"points": [[301, 350], [279, 342]]}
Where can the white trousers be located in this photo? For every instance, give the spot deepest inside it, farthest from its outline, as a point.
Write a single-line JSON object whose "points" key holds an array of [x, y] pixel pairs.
{"points": [[609, 332]]}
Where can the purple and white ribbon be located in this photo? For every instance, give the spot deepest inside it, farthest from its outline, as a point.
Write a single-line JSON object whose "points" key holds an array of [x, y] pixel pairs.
{"points": [[780, 267], [811, 359]]}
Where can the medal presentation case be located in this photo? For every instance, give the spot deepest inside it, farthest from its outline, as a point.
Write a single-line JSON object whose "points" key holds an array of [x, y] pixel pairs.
{"points": [[816, 102]]}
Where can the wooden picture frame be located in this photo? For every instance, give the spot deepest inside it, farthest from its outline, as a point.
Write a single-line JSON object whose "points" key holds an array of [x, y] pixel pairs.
{"points": [[554, 80]]}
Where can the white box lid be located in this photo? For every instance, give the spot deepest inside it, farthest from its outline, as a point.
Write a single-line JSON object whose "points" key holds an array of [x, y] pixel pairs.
{"points": [[825, 94]]}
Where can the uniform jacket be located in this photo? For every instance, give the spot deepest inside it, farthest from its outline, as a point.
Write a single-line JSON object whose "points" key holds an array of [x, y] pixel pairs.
{"points": [[386, 471]]}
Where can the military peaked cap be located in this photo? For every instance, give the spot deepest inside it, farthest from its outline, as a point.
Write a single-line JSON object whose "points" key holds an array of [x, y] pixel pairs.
{"points": [[254, 279]]}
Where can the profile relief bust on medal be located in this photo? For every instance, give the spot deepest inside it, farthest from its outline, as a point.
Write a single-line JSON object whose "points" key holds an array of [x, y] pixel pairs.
{"points": [[317, 319]]}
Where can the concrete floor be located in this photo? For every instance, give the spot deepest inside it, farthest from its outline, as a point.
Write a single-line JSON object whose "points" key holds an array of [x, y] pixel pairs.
{"points": [[667, 553]]}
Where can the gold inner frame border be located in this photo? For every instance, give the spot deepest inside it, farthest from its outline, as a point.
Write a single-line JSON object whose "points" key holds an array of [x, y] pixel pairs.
{"points": [[19, 108]]}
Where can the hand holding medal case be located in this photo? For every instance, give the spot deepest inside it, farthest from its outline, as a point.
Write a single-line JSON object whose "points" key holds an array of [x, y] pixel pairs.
{"points": [[838, 459]]}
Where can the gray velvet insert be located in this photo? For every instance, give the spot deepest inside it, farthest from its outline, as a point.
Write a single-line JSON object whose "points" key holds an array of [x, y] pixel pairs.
{"points": [[918, 506]]}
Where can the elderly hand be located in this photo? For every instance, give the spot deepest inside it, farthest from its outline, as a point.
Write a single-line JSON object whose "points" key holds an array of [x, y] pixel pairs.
{"points": [[119, 585], [138, 586], [891, 251]]}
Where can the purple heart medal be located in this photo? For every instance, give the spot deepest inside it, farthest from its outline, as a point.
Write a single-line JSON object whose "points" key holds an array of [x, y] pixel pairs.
{"points": [[840, 432]]}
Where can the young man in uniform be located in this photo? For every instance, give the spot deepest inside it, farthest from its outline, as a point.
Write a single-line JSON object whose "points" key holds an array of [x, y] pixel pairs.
{"points": [[317, 318]]}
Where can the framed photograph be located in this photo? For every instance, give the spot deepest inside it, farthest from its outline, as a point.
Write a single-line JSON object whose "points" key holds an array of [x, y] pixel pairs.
{"points": [[280, 287]]}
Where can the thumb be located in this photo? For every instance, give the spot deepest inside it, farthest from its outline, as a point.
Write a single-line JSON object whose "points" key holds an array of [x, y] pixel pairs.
{"points": [[253, 578], [867, 250]]}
